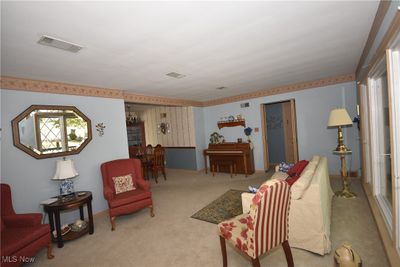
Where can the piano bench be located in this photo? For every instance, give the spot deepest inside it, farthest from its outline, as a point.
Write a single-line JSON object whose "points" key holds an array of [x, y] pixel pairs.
{"points": [[218, 163]]}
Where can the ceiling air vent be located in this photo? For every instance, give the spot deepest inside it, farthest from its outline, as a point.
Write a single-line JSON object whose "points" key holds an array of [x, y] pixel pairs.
{"points": [[175, 75], [60, 44], [245, 105]]}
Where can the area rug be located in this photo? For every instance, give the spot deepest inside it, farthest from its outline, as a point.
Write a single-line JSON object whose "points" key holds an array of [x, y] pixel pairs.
{"points": [[224, 207]]}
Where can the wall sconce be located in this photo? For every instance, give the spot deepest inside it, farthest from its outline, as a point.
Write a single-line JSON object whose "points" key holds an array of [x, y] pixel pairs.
{"points": [[163, 128]]}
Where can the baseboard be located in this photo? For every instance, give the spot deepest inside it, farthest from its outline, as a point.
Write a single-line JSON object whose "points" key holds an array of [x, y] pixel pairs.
{"points": [[388, 244]]}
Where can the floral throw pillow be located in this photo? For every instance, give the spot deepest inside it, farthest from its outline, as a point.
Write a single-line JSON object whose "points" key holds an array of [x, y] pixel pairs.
{"points": [[123, 183]]}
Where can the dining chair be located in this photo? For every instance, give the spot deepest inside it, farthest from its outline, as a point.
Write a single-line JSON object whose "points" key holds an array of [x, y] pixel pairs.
{"points": [[158, 162], [264, 227]]}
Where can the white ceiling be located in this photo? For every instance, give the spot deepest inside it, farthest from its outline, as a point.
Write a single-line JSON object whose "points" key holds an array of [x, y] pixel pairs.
{"points": [[245, 46]]}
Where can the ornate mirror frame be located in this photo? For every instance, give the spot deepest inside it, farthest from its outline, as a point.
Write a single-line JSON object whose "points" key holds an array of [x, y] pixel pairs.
{"points": [[25, 113]]}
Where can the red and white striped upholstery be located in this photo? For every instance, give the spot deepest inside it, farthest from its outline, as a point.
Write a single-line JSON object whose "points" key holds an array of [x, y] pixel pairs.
{"points": [[266, 225]]}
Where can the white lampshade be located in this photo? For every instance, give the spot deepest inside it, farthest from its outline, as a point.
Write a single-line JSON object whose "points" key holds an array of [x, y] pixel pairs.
{"points": [[339, 117], [65, 170]]}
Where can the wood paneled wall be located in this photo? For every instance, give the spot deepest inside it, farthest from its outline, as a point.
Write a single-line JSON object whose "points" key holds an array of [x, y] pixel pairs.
{"points": [[181, 123]]}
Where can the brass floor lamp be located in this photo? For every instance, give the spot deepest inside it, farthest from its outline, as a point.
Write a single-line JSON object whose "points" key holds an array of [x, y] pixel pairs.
{"points": [[338, 118]]}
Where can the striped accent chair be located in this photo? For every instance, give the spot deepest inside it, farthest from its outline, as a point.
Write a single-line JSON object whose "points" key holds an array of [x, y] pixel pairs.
{"points": [[264, 227]]}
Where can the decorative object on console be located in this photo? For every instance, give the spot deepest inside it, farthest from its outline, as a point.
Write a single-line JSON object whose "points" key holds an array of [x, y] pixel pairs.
{"points": [[216, 138], [247, 132], [345, 256], [65, 171], [100, 128], [338, 118]]}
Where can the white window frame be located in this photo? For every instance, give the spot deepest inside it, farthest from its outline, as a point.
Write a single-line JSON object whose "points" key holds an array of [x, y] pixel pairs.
{"points": [[393, 66], [376, 133]]}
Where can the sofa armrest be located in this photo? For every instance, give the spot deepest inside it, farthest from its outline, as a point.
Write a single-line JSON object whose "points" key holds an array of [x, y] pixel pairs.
{"points": [[108, 193], [22, 220], [246, 201], [143, 184]]}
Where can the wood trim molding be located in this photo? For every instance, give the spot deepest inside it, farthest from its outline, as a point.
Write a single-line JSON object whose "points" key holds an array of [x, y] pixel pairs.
{"points": [[380, 15], [391, 33], [284, 89], [388, 244], [57, 88], [81, 90], [72, 89], [157, 100]]}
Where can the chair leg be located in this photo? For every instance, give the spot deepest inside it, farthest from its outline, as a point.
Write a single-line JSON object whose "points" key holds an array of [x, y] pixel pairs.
{"points": [[154, 175], [163, 172], [112, 223], [151, 211], [255, 262], [288, 253], [49, 250], [223, 250]]}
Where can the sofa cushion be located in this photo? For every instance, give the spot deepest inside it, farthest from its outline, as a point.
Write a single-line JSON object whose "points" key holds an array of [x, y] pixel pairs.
{"points": [[3, 226], [297, 168], [129, 197], [279, 175], [123, 183], [303, 182], [14, 239]]}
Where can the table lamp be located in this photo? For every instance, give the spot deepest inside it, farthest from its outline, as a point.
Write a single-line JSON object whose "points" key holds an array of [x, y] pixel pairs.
{"points": [[338, 118], [64, 172]]}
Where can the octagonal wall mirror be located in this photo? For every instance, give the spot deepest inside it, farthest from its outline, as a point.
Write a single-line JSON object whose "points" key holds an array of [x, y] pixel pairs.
{"points": [[51, 131]]}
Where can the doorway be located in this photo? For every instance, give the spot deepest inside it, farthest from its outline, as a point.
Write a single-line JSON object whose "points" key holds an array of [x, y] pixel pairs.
{"points": [[279, 132]]}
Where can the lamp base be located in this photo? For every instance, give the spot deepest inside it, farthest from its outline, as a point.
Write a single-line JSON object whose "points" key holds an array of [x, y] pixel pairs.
{"points": [[345, 193], [66, 187]]}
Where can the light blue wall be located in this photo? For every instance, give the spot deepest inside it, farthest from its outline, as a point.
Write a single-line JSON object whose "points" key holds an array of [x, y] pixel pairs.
{"points": [[275, 134], [312, 109], [181, 158], [30, 178], [201, 143]]}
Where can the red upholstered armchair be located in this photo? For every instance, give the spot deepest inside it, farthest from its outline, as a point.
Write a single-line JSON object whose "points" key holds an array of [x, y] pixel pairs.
{"points": [[129, 201], [22, 235]]}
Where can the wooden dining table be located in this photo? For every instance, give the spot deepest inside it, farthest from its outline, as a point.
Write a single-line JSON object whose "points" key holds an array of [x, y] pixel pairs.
{"points": [[147, 161]]}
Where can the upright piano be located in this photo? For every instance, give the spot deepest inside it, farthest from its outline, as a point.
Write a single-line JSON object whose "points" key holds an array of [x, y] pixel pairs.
{"points": [[240, 153]]}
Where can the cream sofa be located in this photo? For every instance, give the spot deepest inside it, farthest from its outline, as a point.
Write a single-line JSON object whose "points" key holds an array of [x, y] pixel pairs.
{"points": [[310, 207]]}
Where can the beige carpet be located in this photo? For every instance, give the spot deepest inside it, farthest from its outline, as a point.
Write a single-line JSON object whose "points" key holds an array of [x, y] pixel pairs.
{"points": [[172, 238]]}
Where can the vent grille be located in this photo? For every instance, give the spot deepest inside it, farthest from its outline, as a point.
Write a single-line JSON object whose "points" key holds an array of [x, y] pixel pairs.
{"points": [[175, 75], [245, 105], [60, 44], [221, 88]]}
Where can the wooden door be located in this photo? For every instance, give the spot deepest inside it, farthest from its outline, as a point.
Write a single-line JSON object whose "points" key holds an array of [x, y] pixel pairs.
{"points": [[287, 132], [263, 109], [290, 132]]}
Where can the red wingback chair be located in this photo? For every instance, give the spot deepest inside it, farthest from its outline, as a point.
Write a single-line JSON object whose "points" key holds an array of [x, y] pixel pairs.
{"points": [[264, 227], [22, 235], [130, 201]]}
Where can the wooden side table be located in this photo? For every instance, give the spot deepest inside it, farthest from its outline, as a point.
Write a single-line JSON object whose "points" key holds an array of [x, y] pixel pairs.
{"points": [[55, 208]]}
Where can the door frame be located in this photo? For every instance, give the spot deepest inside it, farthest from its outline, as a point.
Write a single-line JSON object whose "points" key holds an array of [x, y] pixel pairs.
{"points": [[264, 130]]}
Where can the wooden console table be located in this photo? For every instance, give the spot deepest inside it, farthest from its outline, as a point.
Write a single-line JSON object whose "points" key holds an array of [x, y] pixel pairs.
{"points": [[55, 208]]}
